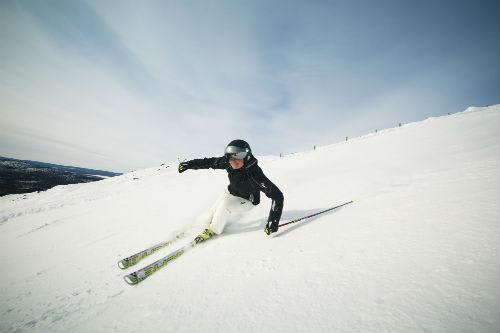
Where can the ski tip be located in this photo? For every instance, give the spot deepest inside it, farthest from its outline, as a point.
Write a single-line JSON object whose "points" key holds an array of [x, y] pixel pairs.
{"points": [[123, 264], [131, 280]]}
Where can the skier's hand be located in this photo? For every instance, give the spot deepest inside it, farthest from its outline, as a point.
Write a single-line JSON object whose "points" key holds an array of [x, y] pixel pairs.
{"points": [[272, 226], [183, 166]]}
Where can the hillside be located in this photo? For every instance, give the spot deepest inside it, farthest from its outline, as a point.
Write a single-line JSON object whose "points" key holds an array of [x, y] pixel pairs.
{"points": [[22, 176], [417, 251]]}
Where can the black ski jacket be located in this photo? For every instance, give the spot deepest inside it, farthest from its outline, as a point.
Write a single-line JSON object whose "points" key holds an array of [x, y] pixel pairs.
{"points": [[246, 182]]}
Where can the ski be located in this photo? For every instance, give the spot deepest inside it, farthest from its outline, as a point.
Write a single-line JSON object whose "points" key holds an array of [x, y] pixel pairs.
{"points": [[143, 273], [135, 258]]}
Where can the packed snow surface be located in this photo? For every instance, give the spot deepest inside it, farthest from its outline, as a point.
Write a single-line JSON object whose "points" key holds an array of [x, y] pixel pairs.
{"points": [[418, 250]]}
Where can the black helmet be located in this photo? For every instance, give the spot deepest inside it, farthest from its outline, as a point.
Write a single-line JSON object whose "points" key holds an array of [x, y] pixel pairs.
{"points": [[238, 149]]}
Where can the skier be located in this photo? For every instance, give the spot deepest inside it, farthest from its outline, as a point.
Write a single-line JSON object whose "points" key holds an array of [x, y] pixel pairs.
{"points": [[246, 180]]}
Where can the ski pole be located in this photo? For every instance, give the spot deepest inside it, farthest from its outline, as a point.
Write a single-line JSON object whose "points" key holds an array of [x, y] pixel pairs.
{"points": [[324, 211]]}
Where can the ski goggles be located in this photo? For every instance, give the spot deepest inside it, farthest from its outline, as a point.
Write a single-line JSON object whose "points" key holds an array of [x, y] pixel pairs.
{"points": [[236, 153]]}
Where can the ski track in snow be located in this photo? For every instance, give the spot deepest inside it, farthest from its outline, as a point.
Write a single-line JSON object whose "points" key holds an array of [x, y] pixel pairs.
{"points": [[416, 252]]}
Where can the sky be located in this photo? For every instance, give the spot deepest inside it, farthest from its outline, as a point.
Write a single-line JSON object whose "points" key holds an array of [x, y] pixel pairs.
{"points": [[124, 85]]}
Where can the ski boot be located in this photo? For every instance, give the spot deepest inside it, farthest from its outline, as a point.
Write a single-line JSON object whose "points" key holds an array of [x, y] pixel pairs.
{"points": [[206, 234]]}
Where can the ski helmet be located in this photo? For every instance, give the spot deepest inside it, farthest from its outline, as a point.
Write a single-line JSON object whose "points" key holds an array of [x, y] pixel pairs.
{"points": [[238, 149]]}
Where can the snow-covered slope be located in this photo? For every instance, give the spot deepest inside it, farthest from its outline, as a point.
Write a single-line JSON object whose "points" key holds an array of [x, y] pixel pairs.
{"points": [[418, 251]]}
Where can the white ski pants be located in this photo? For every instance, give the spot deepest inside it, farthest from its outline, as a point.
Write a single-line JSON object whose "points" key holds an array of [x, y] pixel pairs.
{"points": [[226, 208]]}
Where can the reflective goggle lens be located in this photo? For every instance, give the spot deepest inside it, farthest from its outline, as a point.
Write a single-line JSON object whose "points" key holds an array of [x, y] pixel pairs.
{"points": [[237, 153]]}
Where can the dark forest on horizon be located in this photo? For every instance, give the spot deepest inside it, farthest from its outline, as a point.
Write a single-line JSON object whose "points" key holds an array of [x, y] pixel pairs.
{"points": [[23, 176]]}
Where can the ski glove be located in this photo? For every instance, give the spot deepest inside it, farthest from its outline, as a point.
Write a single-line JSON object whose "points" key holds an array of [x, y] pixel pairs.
{"points": [[183, 166], [272, 226]]}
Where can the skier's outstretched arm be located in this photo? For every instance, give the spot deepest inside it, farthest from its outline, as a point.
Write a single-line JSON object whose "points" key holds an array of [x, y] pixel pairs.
{"points": [[204, 163]]}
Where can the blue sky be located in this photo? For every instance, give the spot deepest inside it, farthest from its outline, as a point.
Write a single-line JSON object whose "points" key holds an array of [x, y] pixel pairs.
{"points": [[122, 85]]}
